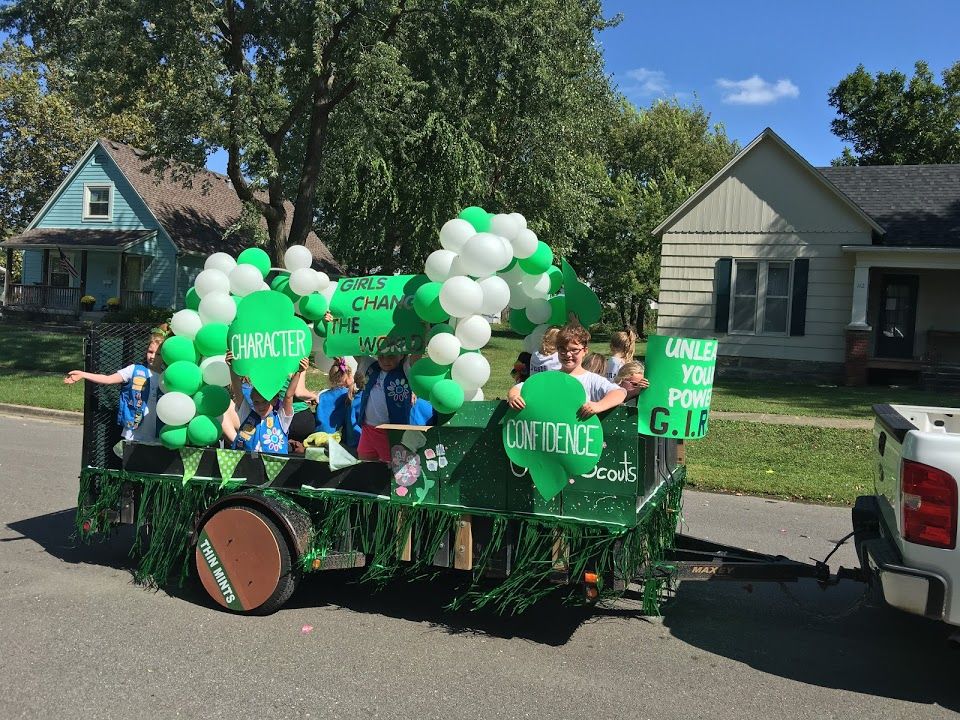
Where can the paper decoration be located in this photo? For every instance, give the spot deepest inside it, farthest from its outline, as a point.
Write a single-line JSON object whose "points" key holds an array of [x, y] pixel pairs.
{"points": [[375, 315], [547, 438], [268, 340], [581, 300], [677, 403], [227, 461], [272, 465], [339, 457], [190, 456]]}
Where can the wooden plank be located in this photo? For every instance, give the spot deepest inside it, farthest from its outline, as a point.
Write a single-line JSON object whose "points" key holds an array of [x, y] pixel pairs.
{"points": [[406, 553], [560, 552], [463, 544]]}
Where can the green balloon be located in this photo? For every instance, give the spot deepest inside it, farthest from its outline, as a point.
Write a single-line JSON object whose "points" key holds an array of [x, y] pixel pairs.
{"points": [[281, 283], [177, 348], [426, 303], [211, 339], [183, 376], [203, 430], [519, 322], [476, 216], [211, 400], [556, 279], [313, 306], [192, 300], [440, 328], [513, 263], [558, 310], [446, 397], [256, 257], [424, 374], [540, 261], [236, 299], [173, 436]]}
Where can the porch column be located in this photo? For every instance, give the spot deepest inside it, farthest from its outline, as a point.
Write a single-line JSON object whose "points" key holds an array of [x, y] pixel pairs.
{"points": [[861, 291], [8, 277], [83, 273], [858, 333]]}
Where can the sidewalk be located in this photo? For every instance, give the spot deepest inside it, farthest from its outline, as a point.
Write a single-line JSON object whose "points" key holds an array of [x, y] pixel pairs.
{"points": [[806, 420]]}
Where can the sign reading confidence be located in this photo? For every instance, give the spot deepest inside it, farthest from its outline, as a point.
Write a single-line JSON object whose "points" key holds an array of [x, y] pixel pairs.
{"points": [[374, 315]]}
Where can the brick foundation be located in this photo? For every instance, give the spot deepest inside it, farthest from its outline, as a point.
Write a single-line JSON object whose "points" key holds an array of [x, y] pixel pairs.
{"points": [[856, 357]]}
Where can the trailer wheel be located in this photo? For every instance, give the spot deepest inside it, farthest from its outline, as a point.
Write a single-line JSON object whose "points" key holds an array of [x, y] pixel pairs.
{"points": [[244, 561]]}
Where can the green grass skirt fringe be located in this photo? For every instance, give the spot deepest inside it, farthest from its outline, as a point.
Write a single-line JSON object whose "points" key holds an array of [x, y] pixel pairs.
{"points": [[542, 547]]}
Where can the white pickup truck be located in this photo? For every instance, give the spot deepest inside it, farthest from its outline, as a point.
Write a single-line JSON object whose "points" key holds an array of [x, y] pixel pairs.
{"points": [[906, 532]]}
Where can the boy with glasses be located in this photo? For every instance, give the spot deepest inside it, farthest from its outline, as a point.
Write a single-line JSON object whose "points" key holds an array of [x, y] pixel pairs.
{"points": [[572, 346]]}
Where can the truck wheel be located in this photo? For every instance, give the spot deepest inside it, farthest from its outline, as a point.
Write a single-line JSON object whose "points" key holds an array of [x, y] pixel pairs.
{"points": [[244, 561]]}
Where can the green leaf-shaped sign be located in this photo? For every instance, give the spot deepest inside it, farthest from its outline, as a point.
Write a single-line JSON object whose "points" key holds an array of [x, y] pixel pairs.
{"points": [[268, 340], [547, 438], [581, 300]]}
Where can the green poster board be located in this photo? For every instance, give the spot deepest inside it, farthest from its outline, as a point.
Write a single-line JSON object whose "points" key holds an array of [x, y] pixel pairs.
{"points": [[374, 315], [680, 371]]}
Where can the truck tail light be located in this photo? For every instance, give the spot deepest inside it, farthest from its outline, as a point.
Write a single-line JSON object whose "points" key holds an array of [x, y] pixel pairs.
{"points": [[929, 505]]}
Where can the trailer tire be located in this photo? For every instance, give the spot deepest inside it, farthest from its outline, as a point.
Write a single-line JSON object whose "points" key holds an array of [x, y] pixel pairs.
{"points": [[244, 561]]}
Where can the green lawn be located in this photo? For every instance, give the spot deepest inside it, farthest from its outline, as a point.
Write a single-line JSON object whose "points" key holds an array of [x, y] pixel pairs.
{"points": [[33, 362], [821, 465]]}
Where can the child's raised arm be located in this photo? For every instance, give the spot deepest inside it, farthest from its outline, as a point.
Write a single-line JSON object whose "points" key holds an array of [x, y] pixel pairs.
{"points": [[292, 387], [236, 386], [75, 375]]}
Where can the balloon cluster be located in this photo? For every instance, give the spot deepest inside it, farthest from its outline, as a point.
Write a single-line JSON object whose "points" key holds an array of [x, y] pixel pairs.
{"points": [[487, 263], [196, 378]]}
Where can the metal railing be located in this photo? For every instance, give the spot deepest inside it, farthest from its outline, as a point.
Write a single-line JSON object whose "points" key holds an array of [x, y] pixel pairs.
{"points": [[133, 299], [45, 297]]}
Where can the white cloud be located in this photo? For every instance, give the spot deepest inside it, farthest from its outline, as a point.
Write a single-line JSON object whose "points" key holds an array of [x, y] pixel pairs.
{"points": [[647, 83], [756, 91]]}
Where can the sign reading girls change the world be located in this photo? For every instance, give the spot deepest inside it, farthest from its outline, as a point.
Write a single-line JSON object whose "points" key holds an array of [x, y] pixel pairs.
{"points": [[374, 315], [547, 437], [267, 340], [677, 403]]}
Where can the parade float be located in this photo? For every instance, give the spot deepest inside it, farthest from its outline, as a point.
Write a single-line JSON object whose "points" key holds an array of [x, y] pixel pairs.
{"points": [[520, 502]]}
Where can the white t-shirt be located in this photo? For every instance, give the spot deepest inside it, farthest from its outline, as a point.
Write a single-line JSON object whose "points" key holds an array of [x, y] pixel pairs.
{"points": [[540, 362], [376, 412], [597, 386], [613, 366], [146, 431]]}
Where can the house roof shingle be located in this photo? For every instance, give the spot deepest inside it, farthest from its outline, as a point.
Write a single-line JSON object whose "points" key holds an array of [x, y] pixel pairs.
{"points": [[196, 214], [39, 238], [917, 205]]}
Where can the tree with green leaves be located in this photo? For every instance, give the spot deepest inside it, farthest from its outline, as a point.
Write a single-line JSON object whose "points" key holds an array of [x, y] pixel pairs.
{"points": [[653, 161], [890, 120]]}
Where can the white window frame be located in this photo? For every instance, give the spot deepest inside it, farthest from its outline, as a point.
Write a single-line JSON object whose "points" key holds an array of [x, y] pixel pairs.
{"points": [[761, 296], [87, 187]]}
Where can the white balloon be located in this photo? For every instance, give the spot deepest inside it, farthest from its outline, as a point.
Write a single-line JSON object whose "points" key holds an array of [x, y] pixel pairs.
{"points": [[525, 244], [211, 281], [245, 279], [328, 291], [496, 295], [520, 220], [455, 233], [478, 395], [481, 255], [437, 266], [215, 370], [186, 323], [303, 281], [505, 226], [263, 286], [538, 311], [323, 281], [536, 286], [460, 296], [506, 256], [163, 385], [470, 370], [443, 348], [176, 408], [220, 261], [473, 332], [218, 308], [518, 298], [531, 344], [296, 257]]}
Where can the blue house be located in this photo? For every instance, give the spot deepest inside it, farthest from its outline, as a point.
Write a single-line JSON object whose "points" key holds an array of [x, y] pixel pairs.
{"points": [[114, 229]]}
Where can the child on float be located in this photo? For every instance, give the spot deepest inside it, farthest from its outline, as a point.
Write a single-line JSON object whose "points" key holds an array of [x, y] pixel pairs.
{"points": [[137, 407], [573, 343], [521, 367], [546, 357], [338, 407], [631, 378], [623, 345], [595, 363], [262, 424], [303, 417]]}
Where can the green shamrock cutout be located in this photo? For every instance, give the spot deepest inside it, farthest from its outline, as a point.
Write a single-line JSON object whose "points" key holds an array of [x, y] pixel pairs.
{"points": [[268, 340], [547, 437], [581, 300]]}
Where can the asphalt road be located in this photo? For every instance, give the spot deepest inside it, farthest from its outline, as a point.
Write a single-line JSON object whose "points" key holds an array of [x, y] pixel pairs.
{"points": [[77, 639]]}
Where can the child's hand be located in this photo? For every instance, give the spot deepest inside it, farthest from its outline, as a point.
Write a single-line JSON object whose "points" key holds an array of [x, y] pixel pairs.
{"points": [[587, 410], [643, 384], [228, 357], [516, 402], [328, 316], [73, 376], [304, 364]]}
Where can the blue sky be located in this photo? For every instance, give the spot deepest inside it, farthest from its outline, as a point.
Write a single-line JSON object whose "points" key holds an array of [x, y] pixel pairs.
{"points": [[757, 64]]}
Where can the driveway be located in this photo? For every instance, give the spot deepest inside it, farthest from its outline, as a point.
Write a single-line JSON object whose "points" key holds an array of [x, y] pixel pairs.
{"points": [[77, 639]]}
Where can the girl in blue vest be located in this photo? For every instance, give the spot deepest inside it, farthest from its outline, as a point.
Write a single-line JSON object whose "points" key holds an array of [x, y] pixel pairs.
{"points": [[338, 406], [388, 399], [137, 408], [264, 424]]}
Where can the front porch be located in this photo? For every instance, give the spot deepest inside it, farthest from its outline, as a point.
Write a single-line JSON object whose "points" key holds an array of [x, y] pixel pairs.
{"points": [[904, 320]]}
